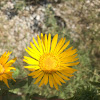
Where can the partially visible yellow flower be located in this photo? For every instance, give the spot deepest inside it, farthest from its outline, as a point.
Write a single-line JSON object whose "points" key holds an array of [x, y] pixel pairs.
{"points": [[5, 68], [50, 61]]}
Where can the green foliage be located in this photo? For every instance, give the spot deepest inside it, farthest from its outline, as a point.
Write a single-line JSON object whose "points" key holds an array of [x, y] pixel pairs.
{"points": [[52, 25], [11, 96], [12, 84], [20, 4], [16, 73], [97, 85], [30, 79], [85, 93]]}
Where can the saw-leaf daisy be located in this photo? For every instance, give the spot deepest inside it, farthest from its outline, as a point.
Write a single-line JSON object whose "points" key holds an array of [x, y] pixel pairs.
{"points": [[50, 61], [5, 68]]}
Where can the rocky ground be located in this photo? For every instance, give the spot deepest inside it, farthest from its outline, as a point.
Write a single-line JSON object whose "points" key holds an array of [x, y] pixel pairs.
{"points": [[17, 27]]}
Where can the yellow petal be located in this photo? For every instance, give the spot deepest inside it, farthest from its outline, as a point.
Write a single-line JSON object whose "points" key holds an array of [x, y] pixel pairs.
{"points": [[32, 67], [64, 47], [45, 79], [59, 45], [66, 74], [58, 77], [50, 80], [54, 42], [0, 78], [42, 81], [55, 84], [7, 75], [37, 45], [49, 43], [63, 54], [42, 38], [35, 72], [30, 60], [40, 44], [56, 80], [70, 64], [9, 68], [45, 42], [9, 63], [4, 60], [64, 77], [39, 78], [68, 70], [3, 55], [34, 55], [35, 49], [6, 82], [13, 79], [69, 57], [43, 45], [12, 68], [69, 60], [71, 52]]}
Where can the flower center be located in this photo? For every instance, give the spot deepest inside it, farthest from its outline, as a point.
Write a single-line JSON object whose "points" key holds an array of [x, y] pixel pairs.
{"points": [[1, 69], [49, 63]]}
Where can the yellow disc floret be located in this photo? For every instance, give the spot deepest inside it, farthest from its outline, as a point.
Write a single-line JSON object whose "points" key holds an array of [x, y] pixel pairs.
{"points": [[49, 63]]}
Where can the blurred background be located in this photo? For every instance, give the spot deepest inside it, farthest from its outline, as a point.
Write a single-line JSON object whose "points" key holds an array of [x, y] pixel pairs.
{"points": [[77, 20]]}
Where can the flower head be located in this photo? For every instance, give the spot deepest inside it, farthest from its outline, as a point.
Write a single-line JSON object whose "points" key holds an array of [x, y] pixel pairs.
{"points": [[5, 68], [49, 61]]}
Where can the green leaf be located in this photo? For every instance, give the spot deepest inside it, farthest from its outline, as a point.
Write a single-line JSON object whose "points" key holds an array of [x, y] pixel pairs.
{"points": [[30, 79], [27, 97], [85, 93], [3, 86], [97, 84], [18, 84]]}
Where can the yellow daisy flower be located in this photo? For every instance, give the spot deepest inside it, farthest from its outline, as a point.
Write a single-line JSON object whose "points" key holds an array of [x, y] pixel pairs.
{"points": [[5, 68], [50, 61]]}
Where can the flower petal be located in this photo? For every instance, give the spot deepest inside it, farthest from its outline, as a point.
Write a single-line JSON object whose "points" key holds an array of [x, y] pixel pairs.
{"points": [[35, 72], [45, 42], [64, 47], [54, 42], [39, 78], [56, 80], [45, 79], [37, 45], [40, 44], [59, 78], [59, 45], [6, 82], [50, 80], [64, 77], [30, 60], [48, 43]]}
